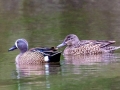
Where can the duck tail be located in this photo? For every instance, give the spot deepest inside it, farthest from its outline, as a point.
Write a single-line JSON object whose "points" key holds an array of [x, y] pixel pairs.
{"points": [[113, 48]]}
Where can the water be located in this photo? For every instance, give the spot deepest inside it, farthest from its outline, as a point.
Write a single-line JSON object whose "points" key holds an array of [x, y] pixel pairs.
{"points": [[46, 23]]}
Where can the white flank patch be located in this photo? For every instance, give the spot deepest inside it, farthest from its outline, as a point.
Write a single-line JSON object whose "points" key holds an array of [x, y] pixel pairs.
{"points": [[46, 58]]}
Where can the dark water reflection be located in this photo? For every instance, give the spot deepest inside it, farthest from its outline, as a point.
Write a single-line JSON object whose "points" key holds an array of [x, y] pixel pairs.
{"points": [[38, 75], [34, 70], [46, 23], [73, 73], [90, 59]]}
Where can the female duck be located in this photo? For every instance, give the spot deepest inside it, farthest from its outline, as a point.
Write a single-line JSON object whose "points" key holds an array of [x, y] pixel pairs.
{"points": [[34, 55], [76, 46]]}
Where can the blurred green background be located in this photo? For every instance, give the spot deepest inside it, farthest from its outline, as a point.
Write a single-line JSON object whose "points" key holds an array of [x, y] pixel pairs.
{"points": [[46, 23]]}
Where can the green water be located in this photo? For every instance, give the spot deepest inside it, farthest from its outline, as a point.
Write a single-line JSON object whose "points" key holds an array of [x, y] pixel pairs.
{"points": [[46, 23]]}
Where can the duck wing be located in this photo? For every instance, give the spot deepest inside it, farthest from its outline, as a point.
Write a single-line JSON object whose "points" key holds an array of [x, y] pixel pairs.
{"points": [[103, 43]]}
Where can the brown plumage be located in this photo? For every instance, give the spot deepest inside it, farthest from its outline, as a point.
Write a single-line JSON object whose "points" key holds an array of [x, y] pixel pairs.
{"points": [[30, 58], [76, 46], [35, 55]]}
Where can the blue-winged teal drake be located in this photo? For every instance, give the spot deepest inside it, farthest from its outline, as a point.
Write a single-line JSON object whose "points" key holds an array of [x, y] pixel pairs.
{"points": [[34, 55], [76, 46]]}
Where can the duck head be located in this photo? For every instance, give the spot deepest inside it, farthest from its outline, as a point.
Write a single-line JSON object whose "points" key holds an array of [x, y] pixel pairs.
{"points": [[20, 44], [69, 40]]}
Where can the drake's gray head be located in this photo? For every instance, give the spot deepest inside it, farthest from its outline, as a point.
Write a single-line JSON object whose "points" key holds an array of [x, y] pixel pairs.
{"points": [[69, 40], [20, 44]]}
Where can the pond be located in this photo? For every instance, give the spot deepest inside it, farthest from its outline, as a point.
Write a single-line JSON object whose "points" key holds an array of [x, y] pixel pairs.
{"points": [[46, 23]]}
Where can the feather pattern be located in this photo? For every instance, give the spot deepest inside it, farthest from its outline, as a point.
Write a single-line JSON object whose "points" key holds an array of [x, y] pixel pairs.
{"points": [[35, 55], [76, 46]]}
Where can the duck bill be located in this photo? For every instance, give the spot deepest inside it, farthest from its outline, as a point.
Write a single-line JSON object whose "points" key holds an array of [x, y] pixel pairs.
{"points": [[12, 48], [61, 45]]}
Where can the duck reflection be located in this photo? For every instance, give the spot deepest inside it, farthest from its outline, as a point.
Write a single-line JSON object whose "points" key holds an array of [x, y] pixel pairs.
{"points": [[89, 59], [24, 70], [37, 75]]}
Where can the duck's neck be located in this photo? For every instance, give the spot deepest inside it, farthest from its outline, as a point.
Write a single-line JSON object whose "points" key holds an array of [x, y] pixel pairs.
{"points": [[23, 50], [77, 44]]}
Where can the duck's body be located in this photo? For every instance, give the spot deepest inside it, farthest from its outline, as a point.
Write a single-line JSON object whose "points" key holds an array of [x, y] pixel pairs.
{"points": [[30, 57], [76, 46], [34, 55]]}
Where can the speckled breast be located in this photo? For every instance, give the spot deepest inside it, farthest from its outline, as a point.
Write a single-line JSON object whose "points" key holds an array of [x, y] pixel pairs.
{"points": [[30, 58], [85, 49]]}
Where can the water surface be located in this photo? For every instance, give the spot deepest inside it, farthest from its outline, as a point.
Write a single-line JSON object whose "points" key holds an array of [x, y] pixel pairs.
{"points": [[46, 23]]}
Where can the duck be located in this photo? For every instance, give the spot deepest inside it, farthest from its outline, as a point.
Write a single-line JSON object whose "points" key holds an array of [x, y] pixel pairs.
{"points": [[35, 55], [74, 46]]}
